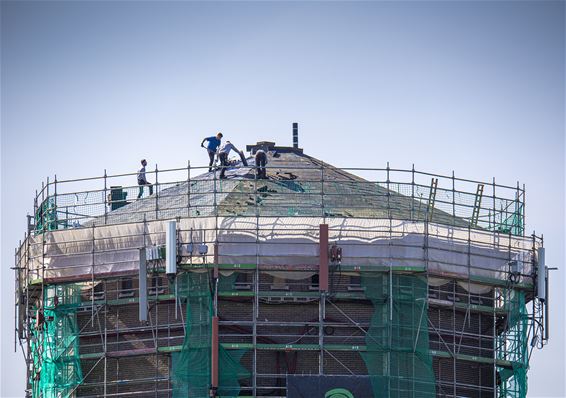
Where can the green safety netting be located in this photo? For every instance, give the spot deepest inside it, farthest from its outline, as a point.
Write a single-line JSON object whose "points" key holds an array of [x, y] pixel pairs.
{"points": [[46, 216], [55, 344], [226, 282], [398, 359], [513, 224], [512, 345], [191, 370]]}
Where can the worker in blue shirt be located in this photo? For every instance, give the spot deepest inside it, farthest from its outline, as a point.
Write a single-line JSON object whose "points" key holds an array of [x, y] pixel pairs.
{"points": [[212, 146]]}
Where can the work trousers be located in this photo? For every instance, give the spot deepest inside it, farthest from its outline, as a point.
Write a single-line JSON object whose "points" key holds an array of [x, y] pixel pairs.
{"points": [[142, 184], [211, 154], [223, 157], [260, 162]]}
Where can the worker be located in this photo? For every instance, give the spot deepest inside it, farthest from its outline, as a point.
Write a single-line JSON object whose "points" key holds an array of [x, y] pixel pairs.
{"points": [[142, 180], [211, 147], [260, 162], [223, 156]]}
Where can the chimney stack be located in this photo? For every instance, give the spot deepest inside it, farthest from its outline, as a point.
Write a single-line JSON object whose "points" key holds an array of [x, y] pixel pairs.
{"points": [[295, 135]]}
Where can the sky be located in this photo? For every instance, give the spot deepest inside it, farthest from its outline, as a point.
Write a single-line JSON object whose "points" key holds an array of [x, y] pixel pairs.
{"points": [[471, 86]]}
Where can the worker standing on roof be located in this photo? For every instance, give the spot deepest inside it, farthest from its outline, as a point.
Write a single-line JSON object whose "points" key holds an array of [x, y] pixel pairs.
{"points": [[260, 162], [223, 156], [142, 180], [213, 144]]}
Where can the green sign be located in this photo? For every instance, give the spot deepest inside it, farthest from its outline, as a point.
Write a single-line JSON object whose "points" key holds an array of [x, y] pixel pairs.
{"points": [[338, 393]]}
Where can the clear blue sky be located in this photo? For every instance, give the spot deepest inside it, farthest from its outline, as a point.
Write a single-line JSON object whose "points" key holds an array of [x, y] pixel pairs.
{"points": [[475, 87]]}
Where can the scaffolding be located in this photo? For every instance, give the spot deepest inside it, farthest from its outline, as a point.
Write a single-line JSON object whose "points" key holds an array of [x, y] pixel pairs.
{"points": [[55, 365], [321, 190], [428, 296]]}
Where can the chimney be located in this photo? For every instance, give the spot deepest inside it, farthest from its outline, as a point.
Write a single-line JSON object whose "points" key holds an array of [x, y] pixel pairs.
{"points": [[295, 135]]}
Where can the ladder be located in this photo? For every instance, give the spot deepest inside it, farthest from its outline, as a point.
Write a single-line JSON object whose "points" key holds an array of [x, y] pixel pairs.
{"points": [[477, 205], [432, 197]]}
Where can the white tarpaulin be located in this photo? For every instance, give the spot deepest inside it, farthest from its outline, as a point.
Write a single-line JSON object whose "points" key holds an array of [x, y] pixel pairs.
{"points": [[285, 241]]}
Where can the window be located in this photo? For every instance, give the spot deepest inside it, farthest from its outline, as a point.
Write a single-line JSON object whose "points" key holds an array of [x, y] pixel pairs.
{"points": [[98, 291], [126, 288], [355, 284], [242, 282], [314, 282], [157, 285]]}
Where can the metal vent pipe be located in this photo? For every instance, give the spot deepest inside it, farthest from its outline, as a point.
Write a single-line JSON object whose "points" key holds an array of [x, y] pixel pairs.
{"points": [[541, 275], [171, 248]]}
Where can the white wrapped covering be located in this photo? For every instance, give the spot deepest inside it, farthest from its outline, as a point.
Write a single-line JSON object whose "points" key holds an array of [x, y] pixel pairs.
{"points": [[285, 241]]}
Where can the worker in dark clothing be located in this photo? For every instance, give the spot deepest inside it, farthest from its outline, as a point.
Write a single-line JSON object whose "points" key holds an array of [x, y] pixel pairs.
{"points": [[260, 162], [213, 144], [142, 180]]}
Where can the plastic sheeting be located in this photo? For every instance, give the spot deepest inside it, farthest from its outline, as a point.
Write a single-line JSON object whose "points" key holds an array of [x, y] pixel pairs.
{"points": [[286, 241]]}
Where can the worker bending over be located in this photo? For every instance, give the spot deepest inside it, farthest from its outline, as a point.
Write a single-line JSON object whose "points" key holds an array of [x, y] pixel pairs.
{"points": [[260, 162], [213, 144], [223, 156]]}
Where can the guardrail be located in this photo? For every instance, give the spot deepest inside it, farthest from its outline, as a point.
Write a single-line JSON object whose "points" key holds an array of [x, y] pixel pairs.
{"points": [[323, 191]]}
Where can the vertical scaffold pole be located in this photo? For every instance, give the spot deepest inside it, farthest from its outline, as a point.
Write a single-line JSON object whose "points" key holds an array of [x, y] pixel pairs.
{"points": [[48, 208], [27, 320], [390, 270], [92, 277], [214, 192], [214, 342], [255, 314], [323, 258], [387, 193], [188, 188], [494, 334], [55, 202], [524, 214], [106, 201], [390, 330], [413, 192], [469, 266], [16, 292], [35, 208], [142, 278], [43, 244], [105, 338], [519, 211], [321, 316], [214, 356], [323, 290], [494, 207], [453, 198], [156, 193]]}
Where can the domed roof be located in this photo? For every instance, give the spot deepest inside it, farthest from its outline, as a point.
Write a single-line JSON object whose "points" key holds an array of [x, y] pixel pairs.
{"points": [[293, 188]]}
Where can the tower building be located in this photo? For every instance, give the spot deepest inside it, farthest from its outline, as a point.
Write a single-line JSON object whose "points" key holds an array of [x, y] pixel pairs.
{"points": [[314, 282]]}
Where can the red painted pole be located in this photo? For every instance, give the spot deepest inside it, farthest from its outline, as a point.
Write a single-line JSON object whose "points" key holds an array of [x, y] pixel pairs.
{"points": [[323, 259], [214, 359]]}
